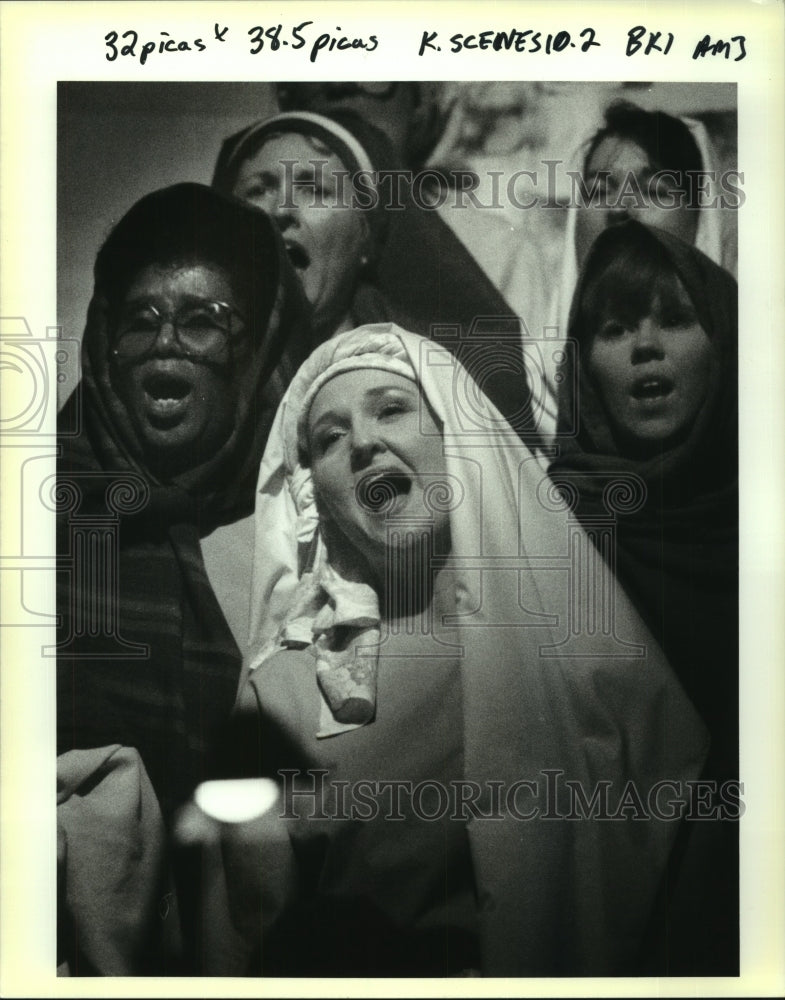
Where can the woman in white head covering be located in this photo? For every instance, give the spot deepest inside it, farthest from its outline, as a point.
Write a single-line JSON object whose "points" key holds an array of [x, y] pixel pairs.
{"points": [[366, 250], [468, 720], [624, 158]]}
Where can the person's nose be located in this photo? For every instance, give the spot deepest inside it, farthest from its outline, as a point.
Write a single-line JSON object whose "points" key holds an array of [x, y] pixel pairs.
{"points": [[283, 211], [365, 443], [648, 344], [166, 341]]}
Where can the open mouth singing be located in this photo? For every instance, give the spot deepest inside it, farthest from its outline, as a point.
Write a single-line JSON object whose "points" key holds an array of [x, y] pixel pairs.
{"points": [[652, 389], [298, 255], [167, 394], [378, 492]]}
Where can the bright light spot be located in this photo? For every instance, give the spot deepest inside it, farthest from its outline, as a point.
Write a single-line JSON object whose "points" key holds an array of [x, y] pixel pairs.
{"points": [[236, 801]]}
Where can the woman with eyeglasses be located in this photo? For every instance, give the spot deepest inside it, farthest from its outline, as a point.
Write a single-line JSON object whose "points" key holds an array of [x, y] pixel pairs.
{"points": [[196, 325]]}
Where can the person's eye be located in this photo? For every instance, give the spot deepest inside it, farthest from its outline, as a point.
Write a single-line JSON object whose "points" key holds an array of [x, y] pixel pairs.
{"points": [[322, 191], [612, 330], [308, 179], [139, 323], [258, 188], [391, 408], [202, 319], [326, 439], [677, 319]]}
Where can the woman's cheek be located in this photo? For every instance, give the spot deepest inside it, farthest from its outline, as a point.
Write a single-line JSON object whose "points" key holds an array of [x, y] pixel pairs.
{"points": [[347, 238], [607, 367], [327, 480]]}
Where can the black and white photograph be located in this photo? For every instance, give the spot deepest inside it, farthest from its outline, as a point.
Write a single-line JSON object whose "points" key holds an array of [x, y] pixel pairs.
{"points": [[386, 507]]}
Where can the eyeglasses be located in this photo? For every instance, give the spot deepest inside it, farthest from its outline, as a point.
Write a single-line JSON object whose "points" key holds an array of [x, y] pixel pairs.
{"points": [[203, 328]]}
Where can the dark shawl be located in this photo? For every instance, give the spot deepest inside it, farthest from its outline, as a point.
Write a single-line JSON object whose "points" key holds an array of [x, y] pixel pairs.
{"points": [[677, 555], [160, 671], [423, 278]]}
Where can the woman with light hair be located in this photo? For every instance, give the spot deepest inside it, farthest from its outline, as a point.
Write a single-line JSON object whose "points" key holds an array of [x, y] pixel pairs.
{"points": [[424, 631]]}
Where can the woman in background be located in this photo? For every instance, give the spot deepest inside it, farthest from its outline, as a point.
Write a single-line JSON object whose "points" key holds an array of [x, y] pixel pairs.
{"points": [[388, 258], [331, 244], [656, 325], [620, 161]]}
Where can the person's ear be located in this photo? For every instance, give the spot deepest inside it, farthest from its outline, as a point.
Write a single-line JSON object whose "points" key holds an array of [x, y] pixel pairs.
{"points": [[366, 246]]}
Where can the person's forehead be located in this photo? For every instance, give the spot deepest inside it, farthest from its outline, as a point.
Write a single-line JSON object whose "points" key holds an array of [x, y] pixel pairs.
{"points": [[355, 389], [289, 146], [354, 385], [177, 278], [664, 289]]}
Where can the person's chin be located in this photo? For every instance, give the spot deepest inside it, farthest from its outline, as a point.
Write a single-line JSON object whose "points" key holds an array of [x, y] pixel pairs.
{"points": [[384, 534], [646, 441], [172, 444]]}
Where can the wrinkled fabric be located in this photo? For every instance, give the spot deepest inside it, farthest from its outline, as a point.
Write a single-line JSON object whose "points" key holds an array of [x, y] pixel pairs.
{"points": [[111, 863], [336, 611], [541, 692]]}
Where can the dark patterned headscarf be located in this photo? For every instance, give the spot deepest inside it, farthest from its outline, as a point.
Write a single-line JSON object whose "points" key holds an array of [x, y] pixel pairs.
{"points": [[145, 656]]}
